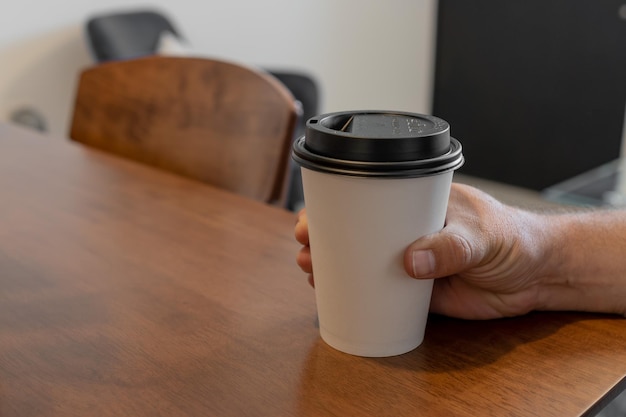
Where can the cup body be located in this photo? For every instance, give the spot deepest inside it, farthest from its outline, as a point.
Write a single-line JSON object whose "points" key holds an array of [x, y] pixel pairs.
{"points": [[359, 229]]}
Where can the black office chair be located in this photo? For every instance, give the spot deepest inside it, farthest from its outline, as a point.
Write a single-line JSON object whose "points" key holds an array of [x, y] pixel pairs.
{"points": [[534, 90], [305, 89], [127, 35], [132, 34]]}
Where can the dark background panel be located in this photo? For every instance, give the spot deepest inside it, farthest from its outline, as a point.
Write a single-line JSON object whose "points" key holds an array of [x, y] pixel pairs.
{"points": [[534, 90]]}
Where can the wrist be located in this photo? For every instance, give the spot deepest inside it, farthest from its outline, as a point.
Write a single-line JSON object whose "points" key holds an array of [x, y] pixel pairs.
{"points": [[580, 269]]}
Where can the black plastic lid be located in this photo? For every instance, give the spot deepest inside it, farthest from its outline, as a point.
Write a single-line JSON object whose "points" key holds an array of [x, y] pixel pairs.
{"points": [[378, 143]]}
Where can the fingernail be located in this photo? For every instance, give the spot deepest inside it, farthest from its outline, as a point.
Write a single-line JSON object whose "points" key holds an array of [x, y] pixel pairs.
{"points": [[423, 263]]}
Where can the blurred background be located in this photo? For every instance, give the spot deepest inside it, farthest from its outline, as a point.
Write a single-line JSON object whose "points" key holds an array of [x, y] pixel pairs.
{"points": [[534, 90], [363, 55]]}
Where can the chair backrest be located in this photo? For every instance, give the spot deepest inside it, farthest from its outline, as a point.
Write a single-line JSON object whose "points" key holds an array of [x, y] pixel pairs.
{"points": [[218, 122], [125, 35]]}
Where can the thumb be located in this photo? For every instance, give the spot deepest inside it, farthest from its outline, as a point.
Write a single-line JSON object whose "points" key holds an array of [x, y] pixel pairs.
{"points": [[442, 254]]}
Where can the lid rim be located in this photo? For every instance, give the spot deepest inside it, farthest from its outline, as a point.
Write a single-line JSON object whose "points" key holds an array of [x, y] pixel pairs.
{"points": [[451, 160]]}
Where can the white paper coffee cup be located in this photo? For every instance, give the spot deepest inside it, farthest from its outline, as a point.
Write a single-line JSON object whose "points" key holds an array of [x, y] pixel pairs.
{"points": [[364, 208]]}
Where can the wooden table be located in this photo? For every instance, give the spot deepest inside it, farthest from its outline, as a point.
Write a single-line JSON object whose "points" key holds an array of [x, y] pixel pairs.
{"points": [[129, 291]]}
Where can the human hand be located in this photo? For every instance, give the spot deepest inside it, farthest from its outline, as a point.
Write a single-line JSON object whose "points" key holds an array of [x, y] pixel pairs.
{"points": [[486, 260], [304, 255]]}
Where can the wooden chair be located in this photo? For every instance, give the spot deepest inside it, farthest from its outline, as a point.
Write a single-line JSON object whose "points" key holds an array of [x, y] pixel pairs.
{"points": [[218, 122]]}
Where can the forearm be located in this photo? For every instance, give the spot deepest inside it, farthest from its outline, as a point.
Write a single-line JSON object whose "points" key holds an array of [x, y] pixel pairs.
{"points": [[585, 269]]}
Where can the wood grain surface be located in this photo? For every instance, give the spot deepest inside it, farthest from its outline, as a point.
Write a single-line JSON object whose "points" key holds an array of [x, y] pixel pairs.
{"points": [[128, 291]]}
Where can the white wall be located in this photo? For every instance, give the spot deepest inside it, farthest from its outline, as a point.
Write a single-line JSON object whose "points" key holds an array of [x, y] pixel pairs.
{"points": [[365, 54]]}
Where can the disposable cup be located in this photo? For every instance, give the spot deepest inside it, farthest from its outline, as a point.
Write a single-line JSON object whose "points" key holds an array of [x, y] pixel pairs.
{"points": [[373, 182]]}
